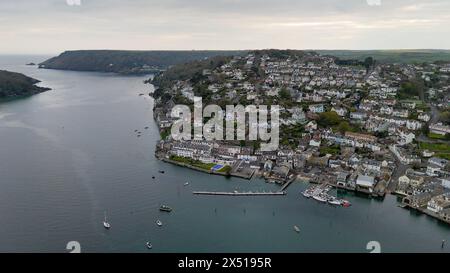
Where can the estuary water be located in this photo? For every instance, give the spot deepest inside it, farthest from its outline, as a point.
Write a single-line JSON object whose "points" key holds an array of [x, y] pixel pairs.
{"points": [[69, 155]]}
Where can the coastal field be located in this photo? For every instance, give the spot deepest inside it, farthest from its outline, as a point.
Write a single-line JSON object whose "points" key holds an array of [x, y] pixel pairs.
{"points": [[392, 56]]}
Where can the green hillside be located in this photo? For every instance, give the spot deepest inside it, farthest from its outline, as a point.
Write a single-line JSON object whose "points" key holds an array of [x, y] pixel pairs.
{"points": [[16, 85], [127, 62]]}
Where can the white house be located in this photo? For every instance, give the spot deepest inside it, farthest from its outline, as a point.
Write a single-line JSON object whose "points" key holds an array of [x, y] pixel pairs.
{"points": [[358, 115], [317, 108], [340, 111], [405, 138], [440, 129], [386, 110], [446, 182], [424, 117], [439, 203], [435, 165], [372, 165], [413, 125], [401, 113], [311, 126]]}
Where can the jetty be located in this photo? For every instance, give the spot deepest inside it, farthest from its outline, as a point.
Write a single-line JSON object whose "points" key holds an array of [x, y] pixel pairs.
{"points": [[287, 184], [277, 193]]}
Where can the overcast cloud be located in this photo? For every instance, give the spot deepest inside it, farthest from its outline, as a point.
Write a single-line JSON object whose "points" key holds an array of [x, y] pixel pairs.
{"points": [[52, 26]]}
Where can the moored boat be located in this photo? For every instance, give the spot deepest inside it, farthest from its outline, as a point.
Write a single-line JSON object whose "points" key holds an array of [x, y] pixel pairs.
{"points": [[106, 224], [159, 223], [307, 194], [165, 208], [346, 203], [320, 198], [335, 201], [297, 229]]}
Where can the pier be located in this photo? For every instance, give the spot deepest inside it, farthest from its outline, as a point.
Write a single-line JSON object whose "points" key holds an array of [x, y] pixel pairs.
{"points": [[287, 184], [278, 193]]}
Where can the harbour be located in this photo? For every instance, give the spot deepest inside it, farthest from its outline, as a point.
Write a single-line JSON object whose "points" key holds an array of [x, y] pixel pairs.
{"points": [[67, 162], [321, 194], [277, 193]]}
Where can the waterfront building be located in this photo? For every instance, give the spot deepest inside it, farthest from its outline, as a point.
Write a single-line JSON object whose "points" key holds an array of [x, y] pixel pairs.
{"points": [[366, 183], [438, 203], [418, 200]]}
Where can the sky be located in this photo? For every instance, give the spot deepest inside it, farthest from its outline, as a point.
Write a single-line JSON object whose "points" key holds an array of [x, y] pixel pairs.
{"points": [[53, 26]]}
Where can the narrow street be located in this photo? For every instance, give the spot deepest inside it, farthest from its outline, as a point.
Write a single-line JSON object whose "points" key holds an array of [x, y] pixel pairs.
{"points": [[400, 170]]}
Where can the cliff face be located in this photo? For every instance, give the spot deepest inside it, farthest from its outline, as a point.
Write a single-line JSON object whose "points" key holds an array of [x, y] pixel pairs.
{"points": [[126, 62], [16, 85]]}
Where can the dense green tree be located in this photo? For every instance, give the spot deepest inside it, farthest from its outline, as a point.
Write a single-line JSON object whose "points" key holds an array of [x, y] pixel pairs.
{"points": [[329, 119], [284, 94], [368, 63], [445, 117], [410, 89], [344, 126]]}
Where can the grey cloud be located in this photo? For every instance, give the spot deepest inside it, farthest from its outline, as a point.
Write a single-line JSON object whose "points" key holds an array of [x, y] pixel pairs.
{"points": [[52, 25]]}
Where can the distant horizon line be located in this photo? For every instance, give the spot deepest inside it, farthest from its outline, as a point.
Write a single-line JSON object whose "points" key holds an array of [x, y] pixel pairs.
{"points": [[254, 49]]}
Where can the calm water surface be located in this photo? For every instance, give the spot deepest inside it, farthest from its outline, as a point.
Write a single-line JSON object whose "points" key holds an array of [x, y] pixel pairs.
{"points": [[70, 154]]}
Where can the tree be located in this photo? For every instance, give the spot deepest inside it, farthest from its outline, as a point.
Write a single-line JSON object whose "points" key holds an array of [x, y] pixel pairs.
{"points": [[344, 127], [409, 89], [383, 134], [445, 117], [368, 63], [284, 94], [425, 130], [329, 119]]}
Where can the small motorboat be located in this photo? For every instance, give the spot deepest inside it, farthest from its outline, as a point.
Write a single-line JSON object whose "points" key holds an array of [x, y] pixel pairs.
{"points": [[161, 171], [153, 177], [149, 245], [186, 184], [165, 208], [106, 224], [297, 229], [159, 223], [346, 204], [335, 201]]}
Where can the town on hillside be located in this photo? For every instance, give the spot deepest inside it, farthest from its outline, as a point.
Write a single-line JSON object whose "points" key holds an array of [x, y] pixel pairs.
{"points": [[363, 126]]}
